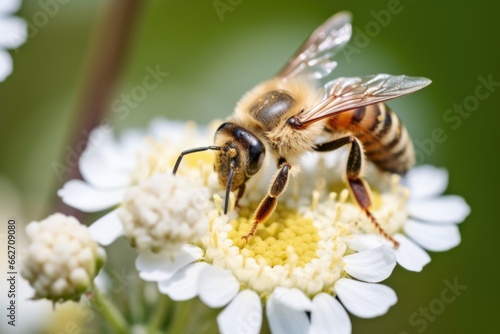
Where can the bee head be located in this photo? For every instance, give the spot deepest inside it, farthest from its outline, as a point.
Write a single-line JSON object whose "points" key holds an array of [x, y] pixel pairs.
{"points": [[241, 155]]}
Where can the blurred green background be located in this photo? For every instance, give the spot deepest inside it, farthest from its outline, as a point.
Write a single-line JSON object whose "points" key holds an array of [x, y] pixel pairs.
{"points": [[212, 62]]}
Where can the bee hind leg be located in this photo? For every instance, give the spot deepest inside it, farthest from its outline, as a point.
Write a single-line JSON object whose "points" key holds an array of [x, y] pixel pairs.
{"points": [[358, 187], [268, 204]]}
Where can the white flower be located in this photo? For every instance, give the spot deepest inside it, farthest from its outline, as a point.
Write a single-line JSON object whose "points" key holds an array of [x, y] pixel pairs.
{"points": [[296, 263], [433, 219], [107, 168], [317, 256], [292, 270], [110, 167], [13, 32], [62, 259]]}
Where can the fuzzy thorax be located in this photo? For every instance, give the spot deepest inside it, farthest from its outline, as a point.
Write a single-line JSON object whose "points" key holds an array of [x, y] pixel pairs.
{"points": [[265, 110], [291, 143]]}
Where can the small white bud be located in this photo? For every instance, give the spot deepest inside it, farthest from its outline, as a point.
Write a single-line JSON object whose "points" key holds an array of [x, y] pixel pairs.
{"points": [[62, 259]]}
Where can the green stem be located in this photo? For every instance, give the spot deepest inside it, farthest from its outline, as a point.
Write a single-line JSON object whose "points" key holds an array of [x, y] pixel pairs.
{"points": [[159, 314], [265, 325], [108, 311], [181, 317]]}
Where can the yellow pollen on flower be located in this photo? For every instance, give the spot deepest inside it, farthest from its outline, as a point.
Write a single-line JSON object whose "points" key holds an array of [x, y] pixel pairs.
{"points": [[315, 199], [285, 228], [331, 197], [161, 155], [218, 204], [195, 160]]}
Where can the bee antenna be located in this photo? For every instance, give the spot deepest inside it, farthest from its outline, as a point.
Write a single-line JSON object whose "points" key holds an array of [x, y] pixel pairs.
{"points": [[193, 150], [228, 186]]}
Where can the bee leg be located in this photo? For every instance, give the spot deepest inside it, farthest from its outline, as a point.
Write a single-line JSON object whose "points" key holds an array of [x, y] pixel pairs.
{"points": [[268, 204], [358, 187], [241, 192]]}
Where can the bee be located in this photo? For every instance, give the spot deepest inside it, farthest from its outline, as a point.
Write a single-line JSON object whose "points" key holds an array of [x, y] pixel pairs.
{"points": [[287, 115]]}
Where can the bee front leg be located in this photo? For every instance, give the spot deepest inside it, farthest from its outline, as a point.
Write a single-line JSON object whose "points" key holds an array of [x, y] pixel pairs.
{"points": [[358, 187], [268, 204], [241, 192]]}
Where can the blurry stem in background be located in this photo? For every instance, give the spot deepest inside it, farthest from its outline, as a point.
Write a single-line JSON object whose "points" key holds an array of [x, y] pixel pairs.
{"points": [[160, 310], [109, 50], [108, 311], [181, 319]]}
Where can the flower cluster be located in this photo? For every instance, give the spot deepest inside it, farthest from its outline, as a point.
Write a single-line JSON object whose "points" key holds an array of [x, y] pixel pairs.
{"points": [[164, 212], [315, 258]]}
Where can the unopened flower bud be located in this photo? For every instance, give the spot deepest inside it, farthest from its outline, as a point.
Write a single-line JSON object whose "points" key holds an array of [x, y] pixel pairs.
{"points": [[62, 259]]}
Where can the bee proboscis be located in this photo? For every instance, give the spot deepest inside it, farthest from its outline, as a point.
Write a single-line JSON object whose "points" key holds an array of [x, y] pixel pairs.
{"points": [[286, 115]]}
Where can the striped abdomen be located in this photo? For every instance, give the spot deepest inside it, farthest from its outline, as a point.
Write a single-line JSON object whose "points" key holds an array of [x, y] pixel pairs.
{"points": [[385, 139]]}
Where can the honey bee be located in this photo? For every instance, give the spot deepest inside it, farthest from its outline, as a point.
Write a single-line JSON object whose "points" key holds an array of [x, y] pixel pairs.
{"points": [[287, 115]]}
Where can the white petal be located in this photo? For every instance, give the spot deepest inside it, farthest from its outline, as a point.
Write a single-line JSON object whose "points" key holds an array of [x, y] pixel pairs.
{"points": [[165, 129], [444, 210], [371, 265], [285, 320], [217, 287], [159, 267], [427, 181], [409, 255], [120, 153], [86, 198], [97, 170], [437, 238], [365, 300], [292, 298], [328, 316], [13, 32], [5, 65], [242, 315], [184, 284], [106, 163], [132, 142], [107, 229], [361, 242], [9, 6]]}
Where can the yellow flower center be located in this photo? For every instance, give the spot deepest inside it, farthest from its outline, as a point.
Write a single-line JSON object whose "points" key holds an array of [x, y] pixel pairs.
{"points": [[285, 228], [289, 249], [302, 244]]}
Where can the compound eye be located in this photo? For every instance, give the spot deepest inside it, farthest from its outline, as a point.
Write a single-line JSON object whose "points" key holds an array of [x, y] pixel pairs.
{"points": [[255, 157]]}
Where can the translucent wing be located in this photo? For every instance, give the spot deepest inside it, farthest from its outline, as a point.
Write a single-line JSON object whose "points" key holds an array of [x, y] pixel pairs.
{"points": [[349, 93], [314, 58]]}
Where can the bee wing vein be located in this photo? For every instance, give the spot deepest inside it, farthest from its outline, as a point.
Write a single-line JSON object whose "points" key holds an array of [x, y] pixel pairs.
{"points": [[344, 94], [313, 59]]}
